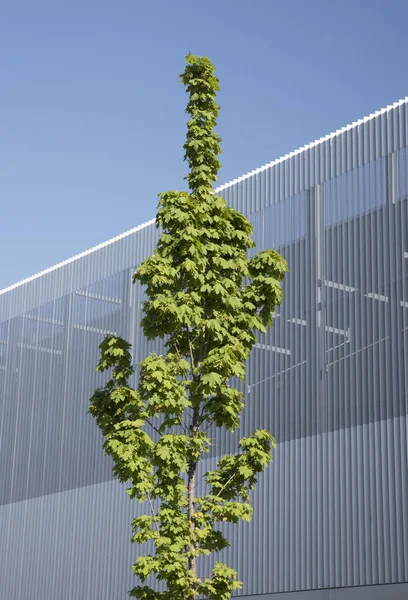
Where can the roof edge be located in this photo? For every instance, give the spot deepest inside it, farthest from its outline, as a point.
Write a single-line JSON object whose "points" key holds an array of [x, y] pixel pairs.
{"points": [[313, 144], [77, 256], [218, 189]]}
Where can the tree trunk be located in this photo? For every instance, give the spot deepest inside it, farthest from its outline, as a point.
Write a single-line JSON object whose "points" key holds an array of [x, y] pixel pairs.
{"points": [[192, 560], [191, 496]]}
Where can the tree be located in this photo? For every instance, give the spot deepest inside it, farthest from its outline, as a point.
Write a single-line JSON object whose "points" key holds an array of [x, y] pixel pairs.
{"points": [[207, 300]]}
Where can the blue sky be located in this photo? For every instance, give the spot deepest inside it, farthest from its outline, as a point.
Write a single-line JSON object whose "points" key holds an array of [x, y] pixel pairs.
{"points": [[92, 116]]}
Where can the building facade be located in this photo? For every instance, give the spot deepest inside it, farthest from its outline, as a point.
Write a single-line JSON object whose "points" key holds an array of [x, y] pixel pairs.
{"points": [[330, 381]]}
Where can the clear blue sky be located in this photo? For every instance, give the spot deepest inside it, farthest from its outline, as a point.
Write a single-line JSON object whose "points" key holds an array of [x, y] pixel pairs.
{"points": [[92, 116]]}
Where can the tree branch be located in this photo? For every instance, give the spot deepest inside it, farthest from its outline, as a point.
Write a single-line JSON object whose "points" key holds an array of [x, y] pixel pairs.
{"points": [[190, 348], [153, 513], [225, 484], [153, 427]]}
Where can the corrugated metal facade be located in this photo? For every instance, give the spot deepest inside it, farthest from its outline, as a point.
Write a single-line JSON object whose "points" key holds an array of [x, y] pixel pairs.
{"points": [[330, 381]]}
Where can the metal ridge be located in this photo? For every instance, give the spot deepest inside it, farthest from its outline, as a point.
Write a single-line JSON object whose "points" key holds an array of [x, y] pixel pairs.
{"points": [[218, 189]]}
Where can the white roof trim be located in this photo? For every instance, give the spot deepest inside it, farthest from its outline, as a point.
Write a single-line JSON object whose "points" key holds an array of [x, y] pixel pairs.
{"points": [[77, 256], [330, 136], [218, 189]]}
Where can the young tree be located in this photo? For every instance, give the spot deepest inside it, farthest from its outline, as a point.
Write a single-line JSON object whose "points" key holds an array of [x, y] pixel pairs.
{"points": [[207, 300]]}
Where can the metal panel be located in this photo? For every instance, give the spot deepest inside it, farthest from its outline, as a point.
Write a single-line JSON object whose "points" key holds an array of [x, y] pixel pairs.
{"points": [[330, 381]]}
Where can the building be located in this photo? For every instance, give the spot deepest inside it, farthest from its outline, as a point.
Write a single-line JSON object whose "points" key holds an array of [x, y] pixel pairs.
{"points": [[330, 381]]}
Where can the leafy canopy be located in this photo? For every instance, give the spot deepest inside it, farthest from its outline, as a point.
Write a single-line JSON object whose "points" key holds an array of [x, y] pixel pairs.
{"points": [[207, 300]]}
